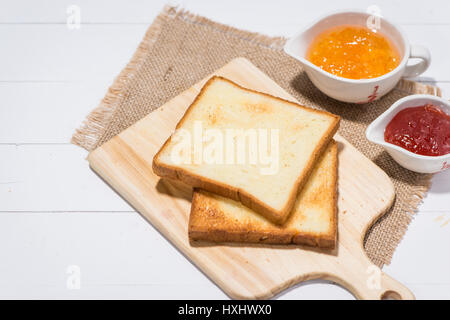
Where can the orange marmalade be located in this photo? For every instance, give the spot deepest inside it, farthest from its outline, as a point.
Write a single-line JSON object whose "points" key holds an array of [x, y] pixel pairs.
{"points": [[353, 52]]}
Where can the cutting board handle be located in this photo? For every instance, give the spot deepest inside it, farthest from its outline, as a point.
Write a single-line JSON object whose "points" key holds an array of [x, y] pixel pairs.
{"points": [[375, 286], [392, 289], [369, 282]]}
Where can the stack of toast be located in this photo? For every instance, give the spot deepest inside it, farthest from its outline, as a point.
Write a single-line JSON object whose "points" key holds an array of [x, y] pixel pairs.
{"points": [[264, 169]]}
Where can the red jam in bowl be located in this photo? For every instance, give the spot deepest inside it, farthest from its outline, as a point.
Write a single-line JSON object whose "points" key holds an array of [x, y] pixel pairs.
{"points": [[423, 130]]}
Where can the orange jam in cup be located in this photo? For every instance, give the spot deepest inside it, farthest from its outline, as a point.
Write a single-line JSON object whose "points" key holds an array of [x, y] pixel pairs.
{"points": [[353, 52]]}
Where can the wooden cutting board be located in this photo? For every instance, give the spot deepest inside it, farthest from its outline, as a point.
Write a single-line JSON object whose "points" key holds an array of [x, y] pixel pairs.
{"points": [[252, 271]]}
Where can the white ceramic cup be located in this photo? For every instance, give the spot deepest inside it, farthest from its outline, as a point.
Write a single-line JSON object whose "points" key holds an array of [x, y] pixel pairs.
{"points": [[407, 159], [363, 90]]}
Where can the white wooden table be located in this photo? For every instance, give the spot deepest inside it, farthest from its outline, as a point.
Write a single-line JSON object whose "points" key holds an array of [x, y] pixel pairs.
{"points": [[57, 217]]}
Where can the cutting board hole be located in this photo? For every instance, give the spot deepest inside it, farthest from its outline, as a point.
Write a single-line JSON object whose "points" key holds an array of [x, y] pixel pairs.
{"points": [[391, 295]]}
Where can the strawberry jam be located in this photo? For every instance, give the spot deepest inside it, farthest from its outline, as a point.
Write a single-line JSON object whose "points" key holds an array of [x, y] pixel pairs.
{"points": [[423, 130]]}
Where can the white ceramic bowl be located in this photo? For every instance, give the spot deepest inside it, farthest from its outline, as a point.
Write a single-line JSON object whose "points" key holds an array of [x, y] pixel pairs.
{"points": [[350, 90], [407, 159]]}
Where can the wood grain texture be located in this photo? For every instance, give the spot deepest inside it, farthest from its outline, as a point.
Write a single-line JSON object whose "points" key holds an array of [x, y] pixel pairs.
{"points": [[252, 271]]}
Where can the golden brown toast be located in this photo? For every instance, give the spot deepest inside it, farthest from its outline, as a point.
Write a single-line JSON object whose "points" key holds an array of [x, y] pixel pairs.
{"points": [[312, 221], [299, 134]]}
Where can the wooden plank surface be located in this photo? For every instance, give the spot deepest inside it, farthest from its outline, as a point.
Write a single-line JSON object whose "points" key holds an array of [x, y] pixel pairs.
{"points": [[48, 197], [249, 271], [62, 59]]}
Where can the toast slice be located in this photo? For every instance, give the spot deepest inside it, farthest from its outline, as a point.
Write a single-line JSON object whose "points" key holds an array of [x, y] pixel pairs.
{"points": [[247, 146], [312, 221]]}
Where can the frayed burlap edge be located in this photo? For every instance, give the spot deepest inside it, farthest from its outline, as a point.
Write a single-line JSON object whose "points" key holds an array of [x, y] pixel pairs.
{"points": [[95, 125], [381, 248], [413, 87]]}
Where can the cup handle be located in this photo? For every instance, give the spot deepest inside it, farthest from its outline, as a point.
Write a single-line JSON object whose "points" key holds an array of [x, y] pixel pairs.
{"points": [[419, 52]]}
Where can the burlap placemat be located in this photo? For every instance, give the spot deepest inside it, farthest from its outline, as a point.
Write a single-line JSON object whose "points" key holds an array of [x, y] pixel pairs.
{"points": [[180, 48]]}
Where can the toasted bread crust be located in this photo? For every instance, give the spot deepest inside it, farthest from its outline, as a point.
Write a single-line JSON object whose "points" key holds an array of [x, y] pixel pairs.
{"points": [[209, 222], [237, 194]]}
